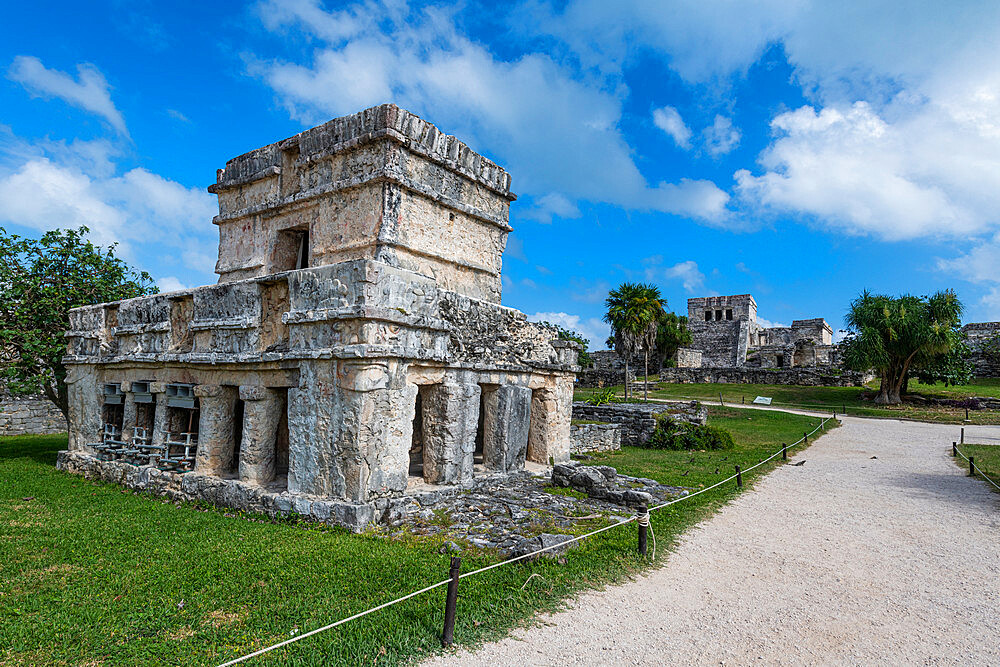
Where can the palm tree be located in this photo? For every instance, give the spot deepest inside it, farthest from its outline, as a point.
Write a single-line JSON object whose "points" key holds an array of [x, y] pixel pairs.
{"points": [[634, 311]]}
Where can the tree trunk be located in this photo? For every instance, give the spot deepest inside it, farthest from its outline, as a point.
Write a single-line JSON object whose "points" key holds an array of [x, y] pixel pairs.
{"points": [[645, 381], [626, 379]]}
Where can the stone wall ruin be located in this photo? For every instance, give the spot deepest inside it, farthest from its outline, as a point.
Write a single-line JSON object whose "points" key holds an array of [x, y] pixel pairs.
{"points": [[354, 350]]}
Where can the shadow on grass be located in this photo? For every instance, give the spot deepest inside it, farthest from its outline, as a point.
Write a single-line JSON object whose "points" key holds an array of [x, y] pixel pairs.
{"points": [[39, 448]]}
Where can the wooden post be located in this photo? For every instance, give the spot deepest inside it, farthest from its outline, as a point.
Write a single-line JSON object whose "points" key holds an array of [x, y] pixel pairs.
{"points": [[962, 439], [967, 414], [954, 448], [805, 438], [642, 511], [449, 605], [784, 452], [739, 478], [845, 408], [743, 400], [972, 466], [720, 400]]}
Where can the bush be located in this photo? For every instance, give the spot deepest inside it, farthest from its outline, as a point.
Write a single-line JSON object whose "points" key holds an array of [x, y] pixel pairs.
{"points": [[670, 434], [602, 397]]}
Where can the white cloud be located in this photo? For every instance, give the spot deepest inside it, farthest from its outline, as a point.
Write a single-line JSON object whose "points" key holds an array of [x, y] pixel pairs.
{"points": [[593, 329], [768, 324], [90, 91], [721, 137], [554, 127], [669, 120], [52, 184], [170, 284], [515, 248], [901, 138], [979, 266], [851, 170], [687, 272]]}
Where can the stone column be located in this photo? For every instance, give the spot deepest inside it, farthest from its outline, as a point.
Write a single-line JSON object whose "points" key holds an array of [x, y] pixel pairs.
{"points": [[160, 422], [84, 407], [505, 428], [451, 415], [551, 414], [215, 431], [261, 414], [128, 412]]}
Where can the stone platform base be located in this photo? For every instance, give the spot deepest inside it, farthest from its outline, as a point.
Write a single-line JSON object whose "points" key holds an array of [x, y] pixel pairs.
{"points": [[229, 493]]}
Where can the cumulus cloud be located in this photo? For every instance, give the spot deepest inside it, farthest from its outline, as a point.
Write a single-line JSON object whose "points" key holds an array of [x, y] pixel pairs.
{"points": [[721, 137], [593, 329], [89, 91], [852, 170], [171, 284], [553, 126], [669, 120], [901, 136], [768, 324], [54, 184], [979, 265], [687, 272]]}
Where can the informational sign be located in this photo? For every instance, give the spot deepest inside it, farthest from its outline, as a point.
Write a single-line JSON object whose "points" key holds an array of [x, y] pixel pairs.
{"points": [[762, 400]]}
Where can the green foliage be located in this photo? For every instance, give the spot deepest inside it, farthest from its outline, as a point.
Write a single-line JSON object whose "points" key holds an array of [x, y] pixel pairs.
{"points": [[671, 333], [634, 311], [602, 397], [675, 435], [40, 280], [584, 359], [896, 335], [952, 368]]}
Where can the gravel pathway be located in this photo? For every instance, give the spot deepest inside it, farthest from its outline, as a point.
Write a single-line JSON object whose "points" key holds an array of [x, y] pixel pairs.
{"points": [[848, 559]]}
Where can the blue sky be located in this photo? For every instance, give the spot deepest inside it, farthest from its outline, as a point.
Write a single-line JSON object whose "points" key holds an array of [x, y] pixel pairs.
{"points": [[800, 151]]}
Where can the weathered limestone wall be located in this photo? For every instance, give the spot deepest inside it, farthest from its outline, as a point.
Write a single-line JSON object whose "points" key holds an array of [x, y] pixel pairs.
{"points": [[588, 438], [805, 376], [688, 357], [381, 184], [608, 369], [638, 420], [29, 415], [978, 335]]}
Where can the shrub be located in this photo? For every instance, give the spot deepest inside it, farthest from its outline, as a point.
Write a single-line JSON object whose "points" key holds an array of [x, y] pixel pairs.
{"points": [[602, 397], [670, 434]]}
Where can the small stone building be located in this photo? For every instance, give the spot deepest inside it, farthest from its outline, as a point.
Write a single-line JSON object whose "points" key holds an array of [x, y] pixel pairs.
{"points": [[983, 339], [354, 348]]}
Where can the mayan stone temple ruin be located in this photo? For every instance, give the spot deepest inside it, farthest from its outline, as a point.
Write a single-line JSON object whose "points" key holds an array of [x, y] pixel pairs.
{"points": [[353, 350]]}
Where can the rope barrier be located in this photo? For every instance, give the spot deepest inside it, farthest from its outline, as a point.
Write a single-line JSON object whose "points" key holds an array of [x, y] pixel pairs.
{"points": [[642, 519], [984, 475]]}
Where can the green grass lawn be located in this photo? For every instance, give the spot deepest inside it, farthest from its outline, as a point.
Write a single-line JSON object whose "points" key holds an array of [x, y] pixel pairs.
{"points": [[835, 398], [987, 459], [93, 574]]}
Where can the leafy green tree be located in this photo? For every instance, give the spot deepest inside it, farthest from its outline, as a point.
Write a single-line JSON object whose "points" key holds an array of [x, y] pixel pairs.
{"points": [[896, 335], [952, 368], [671, 333], [633, 311], [40, 280]]}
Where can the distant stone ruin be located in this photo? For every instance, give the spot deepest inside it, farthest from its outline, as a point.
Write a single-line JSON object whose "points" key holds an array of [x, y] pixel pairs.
{"points": [[355, 349], [983, 339], [725, 334], [728, 344]]}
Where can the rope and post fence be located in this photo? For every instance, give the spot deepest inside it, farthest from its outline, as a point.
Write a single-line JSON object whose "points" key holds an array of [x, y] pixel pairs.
{"points": [[455, 575], [973, 468]]}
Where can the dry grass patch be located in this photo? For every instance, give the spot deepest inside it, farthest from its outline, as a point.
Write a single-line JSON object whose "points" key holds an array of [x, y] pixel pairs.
{"points": [[219, 618]]}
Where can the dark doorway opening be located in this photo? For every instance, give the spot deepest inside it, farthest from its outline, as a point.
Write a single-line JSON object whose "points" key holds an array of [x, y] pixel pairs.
{"points": [[281, 445], [416, 468], [234, 461]]}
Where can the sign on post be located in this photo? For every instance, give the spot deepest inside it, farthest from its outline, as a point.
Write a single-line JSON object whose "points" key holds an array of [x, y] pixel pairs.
{"points": [[762, 400]]}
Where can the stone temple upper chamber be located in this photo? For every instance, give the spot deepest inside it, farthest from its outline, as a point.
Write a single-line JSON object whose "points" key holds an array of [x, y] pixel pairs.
{"points": [[353, 350]]}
